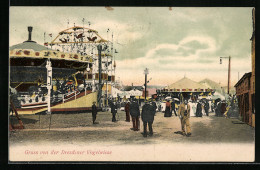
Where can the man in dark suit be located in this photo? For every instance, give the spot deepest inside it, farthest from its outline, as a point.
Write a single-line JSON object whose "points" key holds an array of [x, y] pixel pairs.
{"points": [[94, 112], [148, 118], [135, 114], [199, 110], [127, 109], [206, 107], [154, 106], [113, 111], [173, 107]]}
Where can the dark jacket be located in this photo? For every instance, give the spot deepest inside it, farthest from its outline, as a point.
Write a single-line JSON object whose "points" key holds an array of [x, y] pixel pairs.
{"points": [[113, 108], [134, 109], [206, 107], [127, 107], [154, 106], [94, 109], [147, 113], [173, 105], [199, 110]]}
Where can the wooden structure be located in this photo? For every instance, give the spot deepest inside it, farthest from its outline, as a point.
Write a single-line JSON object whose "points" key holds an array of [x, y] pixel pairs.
{"points": [[245, 87]]}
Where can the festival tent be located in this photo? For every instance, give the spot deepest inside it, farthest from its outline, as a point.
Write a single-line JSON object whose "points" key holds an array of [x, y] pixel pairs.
{"points": [[115, 92], [186, 85], [135, 92]]}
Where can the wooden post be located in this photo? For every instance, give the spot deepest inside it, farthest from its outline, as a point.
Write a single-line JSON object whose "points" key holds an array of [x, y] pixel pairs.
{"points": [[229, 62]]}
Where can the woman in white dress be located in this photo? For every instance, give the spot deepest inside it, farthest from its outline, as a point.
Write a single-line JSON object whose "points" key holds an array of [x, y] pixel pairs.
{"points": [[192, 106], [203, 110]]}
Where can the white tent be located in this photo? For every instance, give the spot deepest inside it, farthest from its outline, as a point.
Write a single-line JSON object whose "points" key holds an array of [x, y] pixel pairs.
{"points": [[115, 92], [135, 92], [218, 95]]}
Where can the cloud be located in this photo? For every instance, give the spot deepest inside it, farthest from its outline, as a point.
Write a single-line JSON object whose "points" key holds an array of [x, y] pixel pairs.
{"points": [[156, 55]]}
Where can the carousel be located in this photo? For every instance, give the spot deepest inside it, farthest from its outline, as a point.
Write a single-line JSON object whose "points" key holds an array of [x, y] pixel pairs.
{"points": [[62, 75]]}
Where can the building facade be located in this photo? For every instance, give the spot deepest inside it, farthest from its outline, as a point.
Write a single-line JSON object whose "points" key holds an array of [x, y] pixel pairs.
{"points": [[243, 95], [245, 87]]}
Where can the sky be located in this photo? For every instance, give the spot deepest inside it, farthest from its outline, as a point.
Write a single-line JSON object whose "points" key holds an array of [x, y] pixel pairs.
{"points": [[172, 43]]}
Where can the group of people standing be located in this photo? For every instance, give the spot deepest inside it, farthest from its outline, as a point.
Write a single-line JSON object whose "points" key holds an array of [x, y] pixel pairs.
{"points": [[170, 107], [147, 115], [132, 109], [202, 107]]}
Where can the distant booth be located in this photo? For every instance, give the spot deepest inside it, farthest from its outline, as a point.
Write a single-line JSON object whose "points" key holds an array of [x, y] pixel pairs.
{"points": [[186, 89]]}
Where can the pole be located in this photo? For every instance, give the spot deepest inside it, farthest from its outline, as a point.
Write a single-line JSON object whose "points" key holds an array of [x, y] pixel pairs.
{"points": [[49, 84], [99, 74], [145, 86], [229, 61]]}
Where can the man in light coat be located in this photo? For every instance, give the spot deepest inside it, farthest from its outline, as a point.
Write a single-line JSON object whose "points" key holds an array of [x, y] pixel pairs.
{"points": [[184, 113]]}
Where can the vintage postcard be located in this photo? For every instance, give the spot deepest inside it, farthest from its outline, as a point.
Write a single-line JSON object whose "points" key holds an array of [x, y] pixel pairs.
{"points": [[131, 84]]}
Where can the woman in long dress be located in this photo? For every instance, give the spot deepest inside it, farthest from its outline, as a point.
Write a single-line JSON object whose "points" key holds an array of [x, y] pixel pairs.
{"points": [[168, 109], [203, 109], [192, 106]]}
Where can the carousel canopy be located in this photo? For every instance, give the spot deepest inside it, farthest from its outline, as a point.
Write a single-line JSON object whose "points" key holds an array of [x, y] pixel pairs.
{"points": [[186, 84], [29, 45]]}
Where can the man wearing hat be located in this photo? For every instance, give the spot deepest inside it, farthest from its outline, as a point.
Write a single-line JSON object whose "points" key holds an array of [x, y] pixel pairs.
{"points": [[147, 118], [135, 113], [154, 106], [184, 113], [199, 109], [94, 112], [173, 106], [127, 108], [113, 111]]}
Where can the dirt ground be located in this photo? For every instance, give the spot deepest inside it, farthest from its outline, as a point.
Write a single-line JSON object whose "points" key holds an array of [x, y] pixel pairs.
{"points": [[73, 128], [73, 137]]}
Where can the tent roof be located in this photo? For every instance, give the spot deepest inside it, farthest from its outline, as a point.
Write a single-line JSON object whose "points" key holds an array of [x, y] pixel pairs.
{"points": [[186, 83], [210, 83], [29, 45]]}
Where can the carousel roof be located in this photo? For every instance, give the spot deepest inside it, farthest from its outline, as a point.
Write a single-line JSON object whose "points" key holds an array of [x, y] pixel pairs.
{"points": [[186, 83], [29, 45]]}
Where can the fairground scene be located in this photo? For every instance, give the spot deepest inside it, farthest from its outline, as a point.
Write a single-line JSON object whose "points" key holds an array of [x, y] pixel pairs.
{"points": [[148, 84]]}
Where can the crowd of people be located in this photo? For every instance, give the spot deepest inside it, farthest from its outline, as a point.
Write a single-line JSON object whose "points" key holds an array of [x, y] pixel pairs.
{"points": [[184, 110]]}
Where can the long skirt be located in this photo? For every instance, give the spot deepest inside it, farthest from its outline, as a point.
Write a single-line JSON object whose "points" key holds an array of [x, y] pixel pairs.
{"points": [[167, 112]]}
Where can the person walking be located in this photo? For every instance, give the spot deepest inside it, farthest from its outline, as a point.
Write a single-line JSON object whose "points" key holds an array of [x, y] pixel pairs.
{"points": [[206, 107], [127, 109], [135, 114], [184, 113], [154, 106], [113, 111], [94, 112], [223, 107], [199, 110], [147, 118], [173, 107], [168, 109]]}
